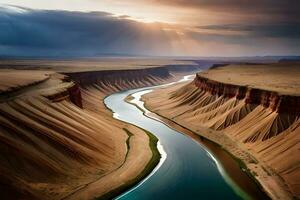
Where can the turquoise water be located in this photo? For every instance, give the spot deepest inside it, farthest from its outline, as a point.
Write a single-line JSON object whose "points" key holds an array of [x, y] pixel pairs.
{"points": [[186, 171]]}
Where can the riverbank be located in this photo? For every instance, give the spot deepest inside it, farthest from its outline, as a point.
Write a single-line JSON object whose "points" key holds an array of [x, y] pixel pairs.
{"points": [[147, 170], [209, 114], [141, 156], [185, 166], [139, 162]]}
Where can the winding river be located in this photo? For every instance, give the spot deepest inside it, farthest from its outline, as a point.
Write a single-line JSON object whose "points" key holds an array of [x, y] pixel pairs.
{"points": [[187, 169]]}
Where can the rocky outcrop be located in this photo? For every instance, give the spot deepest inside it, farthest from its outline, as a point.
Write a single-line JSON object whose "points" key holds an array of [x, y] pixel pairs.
{"points": [[75, 95], [268, 99], [71, 93]]}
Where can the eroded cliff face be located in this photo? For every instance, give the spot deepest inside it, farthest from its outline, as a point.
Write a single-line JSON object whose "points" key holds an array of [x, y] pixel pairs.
{"points": [[59, 131], [71, 93], [268, 99], [266, 123], [109, 81]]}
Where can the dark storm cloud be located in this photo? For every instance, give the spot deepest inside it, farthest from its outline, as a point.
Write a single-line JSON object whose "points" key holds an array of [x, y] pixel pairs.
{"points": [[38, 32], [272, 10], [265, 30], [268, 6]]}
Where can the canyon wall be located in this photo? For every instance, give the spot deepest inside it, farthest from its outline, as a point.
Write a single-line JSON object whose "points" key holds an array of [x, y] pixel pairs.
{"points": [[118, 76], [130, 78], [268, 99], [110, 81]]}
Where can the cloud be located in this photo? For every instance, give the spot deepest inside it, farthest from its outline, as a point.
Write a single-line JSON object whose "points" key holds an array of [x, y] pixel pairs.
{"points": [[56, 32], [249, 6], [32, 32], [234, 11], [289, 31], [248, 39]]}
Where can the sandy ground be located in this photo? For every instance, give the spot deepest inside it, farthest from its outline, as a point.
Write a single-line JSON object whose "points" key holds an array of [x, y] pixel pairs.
{"points": [[274, 162], [13, 79]]}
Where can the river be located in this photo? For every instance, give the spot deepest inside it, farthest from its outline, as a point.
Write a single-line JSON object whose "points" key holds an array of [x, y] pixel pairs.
{"points": [[187, 169]]}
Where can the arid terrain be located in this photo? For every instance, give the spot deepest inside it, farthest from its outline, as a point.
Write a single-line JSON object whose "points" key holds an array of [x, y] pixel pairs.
{"points": [[58, 140], [251, 110], [90, 64]]}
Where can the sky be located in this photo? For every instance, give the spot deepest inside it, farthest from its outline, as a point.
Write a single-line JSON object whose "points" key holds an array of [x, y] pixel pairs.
{"points": [[149, 27]]}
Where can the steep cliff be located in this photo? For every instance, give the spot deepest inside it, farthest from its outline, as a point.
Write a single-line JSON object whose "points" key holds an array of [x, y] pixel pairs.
{"points": [[261, 118], [106, 82], [268, 99]]}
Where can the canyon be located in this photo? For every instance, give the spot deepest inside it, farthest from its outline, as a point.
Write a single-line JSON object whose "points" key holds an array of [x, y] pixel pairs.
{"points": [[56, 133], [55, 125]]}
